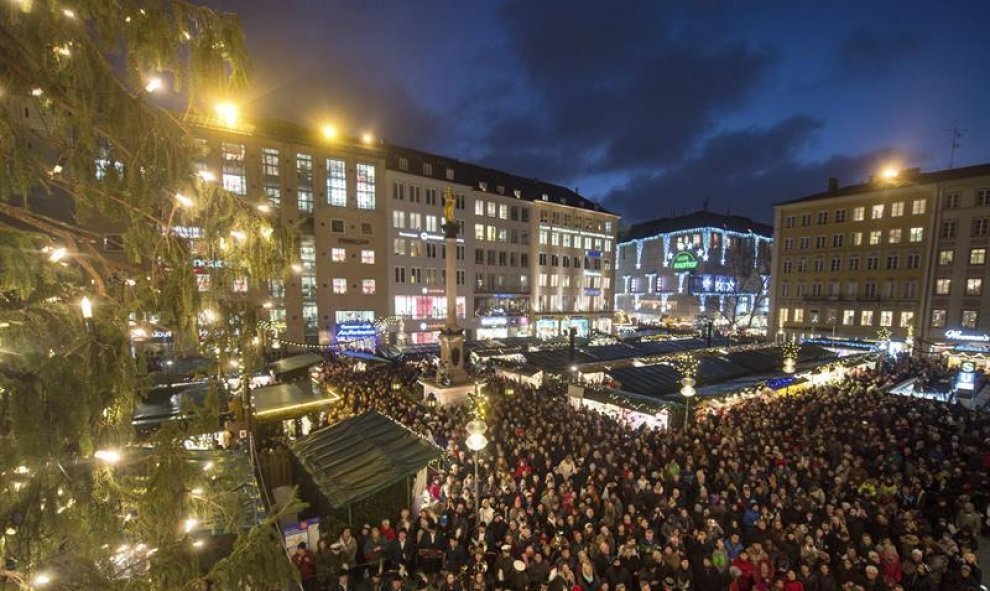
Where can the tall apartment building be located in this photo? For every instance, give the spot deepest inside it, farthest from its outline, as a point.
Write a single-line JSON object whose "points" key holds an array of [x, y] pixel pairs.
{"points": [[901, 252], [701, 265], [333, 190], [533, 258]]}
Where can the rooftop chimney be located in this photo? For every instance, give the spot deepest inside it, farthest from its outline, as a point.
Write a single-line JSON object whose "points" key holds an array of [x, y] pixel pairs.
{"points": [[833, 184]]}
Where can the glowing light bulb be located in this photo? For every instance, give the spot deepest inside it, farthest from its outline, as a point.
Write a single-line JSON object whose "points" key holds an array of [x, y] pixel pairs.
{"points": [[68, 12], [329, 131], [110, 456], [40, 580], [87, 308], [238, 235], [367, 138], [207, 176], [228, 112], [153, 84], [183, 200], [57, 254], [189, 524]]}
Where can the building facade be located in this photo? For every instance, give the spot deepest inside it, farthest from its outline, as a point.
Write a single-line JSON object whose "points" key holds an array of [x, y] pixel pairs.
{"points": [[512, 244], [895, 258], [332, 191], [698, 267]]}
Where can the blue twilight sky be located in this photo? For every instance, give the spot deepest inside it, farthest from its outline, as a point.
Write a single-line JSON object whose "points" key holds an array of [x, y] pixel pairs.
{"points": [[649, 107]]}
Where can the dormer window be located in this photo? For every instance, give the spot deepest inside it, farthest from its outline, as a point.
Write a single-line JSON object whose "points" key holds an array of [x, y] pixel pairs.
{"points": [[483, 185]]}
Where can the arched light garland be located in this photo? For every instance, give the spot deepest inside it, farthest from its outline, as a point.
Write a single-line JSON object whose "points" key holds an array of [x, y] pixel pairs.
{"points": [[706, 238]]}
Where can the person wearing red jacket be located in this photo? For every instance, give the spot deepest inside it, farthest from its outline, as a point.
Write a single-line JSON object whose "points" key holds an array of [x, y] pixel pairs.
{"points": [[791, 582], [305, 562]]}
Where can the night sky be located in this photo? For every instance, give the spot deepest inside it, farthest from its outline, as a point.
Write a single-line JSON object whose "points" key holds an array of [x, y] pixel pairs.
{"points": [[648, 107]]}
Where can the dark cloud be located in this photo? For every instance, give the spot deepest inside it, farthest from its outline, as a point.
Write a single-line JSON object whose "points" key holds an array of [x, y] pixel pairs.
{"points": [[616, 89], [744, 171], [867, 54]]}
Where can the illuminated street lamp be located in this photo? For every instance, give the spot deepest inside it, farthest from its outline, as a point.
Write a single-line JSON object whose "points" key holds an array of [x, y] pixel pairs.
{"points": [[687, 391], [476, 441], [227, 112]]}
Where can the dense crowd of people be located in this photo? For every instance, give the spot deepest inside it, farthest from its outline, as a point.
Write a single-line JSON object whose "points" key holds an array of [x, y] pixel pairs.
{"points": [[838, 487]]}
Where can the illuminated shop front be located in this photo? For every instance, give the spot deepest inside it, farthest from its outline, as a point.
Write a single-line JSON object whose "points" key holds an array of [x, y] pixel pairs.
{"points": [[423, 317], [501, 327], [355, 329]]}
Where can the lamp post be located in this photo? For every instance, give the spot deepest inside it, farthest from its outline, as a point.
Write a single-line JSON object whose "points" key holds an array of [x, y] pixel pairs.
{"points": [[476, 441], [687, 391]]}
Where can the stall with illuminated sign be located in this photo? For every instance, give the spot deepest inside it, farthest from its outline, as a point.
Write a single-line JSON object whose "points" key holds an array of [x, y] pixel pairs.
{"points": [[355, 334], [501, 327], [958, 346]]}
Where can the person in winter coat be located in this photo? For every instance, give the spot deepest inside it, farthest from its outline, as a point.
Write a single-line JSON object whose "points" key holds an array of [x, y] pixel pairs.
{"points": [[968, 519], [791, 582], [305, 563], [708, 577]]}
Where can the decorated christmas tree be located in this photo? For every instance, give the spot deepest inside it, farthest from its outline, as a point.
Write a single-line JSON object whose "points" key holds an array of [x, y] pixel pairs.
{"points": [[102, 212]]}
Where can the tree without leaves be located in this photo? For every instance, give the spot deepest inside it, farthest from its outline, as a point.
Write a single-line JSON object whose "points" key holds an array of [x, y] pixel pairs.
{"points": [[68, 385]]}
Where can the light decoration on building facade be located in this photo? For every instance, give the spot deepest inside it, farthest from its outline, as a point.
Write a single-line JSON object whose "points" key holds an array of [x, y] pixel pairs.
{"points": [[651, 282], [706, 243], [680, 281]]}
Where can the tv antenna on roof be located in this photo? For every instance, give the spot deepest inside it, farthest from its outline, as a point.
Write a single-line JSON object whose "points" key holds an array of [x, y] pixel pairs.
{"points": [[956, 133]]}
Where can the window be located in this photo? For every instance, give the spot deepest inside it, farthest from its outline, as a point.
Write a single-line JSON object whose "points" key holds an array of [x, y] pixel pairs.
{"points": [[982, 197], [894, 236], [427, 169], [309, 287], [938, 318], [368, 286], [798, 314], [415, 221], [856, 238], [802, 265], [913, 261], [365, 186], [788, 244], [837, 240], [969, 318], [918, 206], [977, 256], [916, 235], [952, 200], [338, 255], [910, 289], [503, 212], [399, 246], [305, 200], [479, 207], [854, 263], [852, 289], [872, 262], [897, 209], [866, 318], [337, 226], [450, 174], [803, 243], [819, 265], [339, 285], [859, 214], [274, 193], [822, 217], [269, 162], [974, 286], [886, 318], [403, 164], [367, 257], [232, 157], [876, 212], [874, 237], [304, 170], [870, 289], [491, 208], [789, 221], [943, 286], [840, 216], [788, 266], [836, 264], [367, 229], [949, 229], [337, 183], [805, 219], [945, 257], [891, 262], [981, 227], [848, 317], [820, 241], [415, 248]]}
